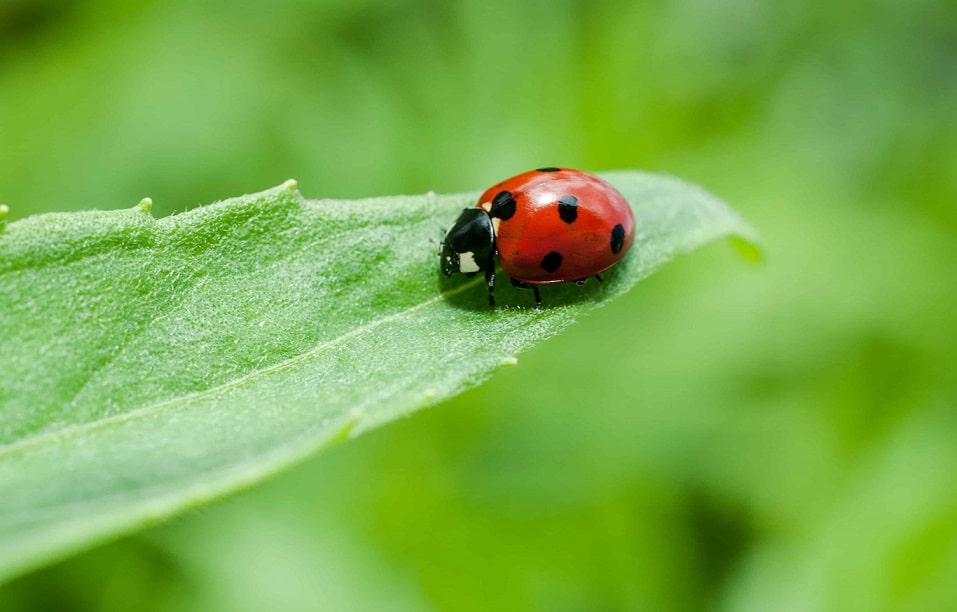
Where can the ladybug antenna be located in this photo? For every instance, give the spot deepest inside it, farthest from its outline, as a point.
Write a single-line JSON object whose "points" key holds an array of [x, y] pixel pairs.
{"points": [[438, 244]]}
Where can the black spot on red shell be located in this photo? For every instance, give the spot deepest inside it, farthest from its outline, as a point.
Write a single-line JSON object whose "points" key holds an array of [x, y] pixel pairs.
{"points": [[617, 238], [568, 208], [552, 261], [503, 205], [549, 169]]}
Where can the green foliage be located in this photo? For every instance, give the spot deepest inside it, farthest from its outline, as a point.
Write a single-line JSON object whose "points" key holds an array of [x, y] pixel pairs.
{"points": [[718, 438], [169, 361]]}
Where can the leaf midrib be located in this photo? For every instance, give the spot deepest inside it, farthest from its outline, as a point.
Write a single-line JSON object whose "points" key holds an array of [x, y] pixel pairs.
{"points": [[70, 431], [199, 280]]}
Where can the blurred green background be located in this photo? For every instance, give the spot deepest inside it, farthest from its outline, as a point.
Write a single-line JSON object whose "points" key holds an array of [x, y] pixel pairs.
{"points": [[724, 437]]}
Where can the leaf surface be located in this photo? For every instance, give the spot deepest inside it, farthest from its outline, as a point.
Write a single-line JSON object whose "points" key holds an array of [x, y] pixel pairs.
{"points": [[150, 365]]}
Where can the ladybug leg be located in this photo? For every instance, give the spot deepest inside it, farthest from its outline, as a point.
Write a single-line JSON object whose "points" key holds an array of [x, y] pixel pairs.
{"points": [[490, 281], [598, 278], [534, 288]]}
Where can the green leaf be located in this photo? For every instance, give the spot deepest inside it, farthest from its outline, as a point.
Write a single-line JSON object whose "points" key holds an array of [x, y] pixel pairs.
{"points": [[151, 365]]}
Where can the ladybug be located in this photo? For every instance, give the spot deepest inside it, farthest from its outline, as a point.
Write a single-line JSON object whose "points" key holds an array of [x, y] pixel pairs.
{"points": [[550, 225]]}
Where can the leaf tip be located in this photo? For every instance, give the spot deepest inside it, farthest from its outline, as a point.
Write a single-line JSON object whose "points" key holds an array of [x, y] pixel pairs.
{"points": [[749, 249], [4, 209], [511, 360], [144, 205], [291, 185]]}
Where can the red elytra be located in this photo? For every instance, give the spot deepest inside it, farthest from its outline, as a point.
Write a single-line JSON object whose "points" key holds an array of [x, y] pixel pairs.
{"points": [[550, 225], [564, 211]]}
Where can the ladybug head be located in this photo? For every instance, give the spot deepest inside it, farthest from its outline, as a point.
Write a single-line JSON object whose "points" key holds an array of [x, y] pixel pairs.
{"points": [[469, 246]]}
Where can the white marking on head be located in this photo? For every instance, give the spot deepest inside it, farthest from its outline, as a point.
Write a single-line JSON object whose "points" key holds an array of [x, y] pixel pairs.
{"points": [[467, 262], [486, 206]]}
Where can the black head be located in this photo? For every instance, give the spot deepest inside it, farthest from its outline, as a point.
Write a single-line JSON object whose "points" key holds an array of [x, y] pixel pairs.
{"points": [[469, 246]]}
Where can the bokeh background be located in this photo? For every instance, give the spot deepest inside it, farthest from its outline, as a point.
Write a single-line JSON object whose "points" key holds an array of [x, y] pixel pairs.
{"points": [[725, 437]]}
